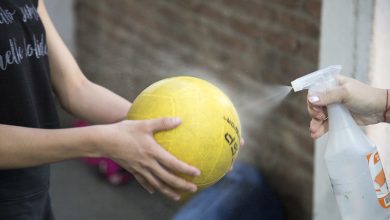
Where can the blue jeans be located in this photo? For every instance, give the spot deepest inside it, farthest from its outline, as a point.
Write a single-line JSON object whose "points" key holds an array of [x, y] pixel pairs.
{"points": [[242, 194]]}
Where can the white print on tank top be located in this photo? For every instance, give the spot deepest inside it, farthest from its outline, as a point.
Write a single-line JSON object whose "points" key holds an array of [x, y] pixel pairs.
{"points": [[29, 12], [6, 16], [20, 50]]}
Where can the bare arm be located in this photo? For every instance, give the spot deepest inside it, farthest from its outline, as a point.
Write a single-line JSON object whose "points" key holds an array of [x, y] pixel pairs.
{"points": [[76, 93], [130, 143], [25, 147]]}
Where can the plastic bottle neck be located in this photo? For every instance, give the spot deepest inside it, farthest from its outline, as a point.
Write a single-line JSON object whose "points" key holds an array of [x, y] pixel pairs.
{"points": [[339, 117]]}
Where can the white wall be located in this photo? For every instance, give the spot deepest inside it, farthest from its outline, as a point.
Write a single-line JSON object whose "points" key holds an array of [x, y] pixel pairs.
{"points": [[380, 76]]}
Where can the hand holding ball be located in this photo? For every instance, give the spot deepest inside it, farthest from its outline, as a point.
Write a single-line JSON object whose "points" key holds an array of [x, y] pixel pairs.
{"points": [[209, 136]]}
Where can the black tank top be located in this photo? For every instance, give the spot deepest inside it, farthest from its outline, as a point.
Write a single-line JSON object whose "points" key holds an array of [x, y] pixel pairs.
{"points": [[26, 95]]}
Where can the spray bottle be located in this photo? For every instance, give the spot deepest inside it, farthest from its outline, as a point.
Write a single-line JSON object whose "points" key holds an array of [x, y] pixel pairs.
{"points": [[354, 168]]}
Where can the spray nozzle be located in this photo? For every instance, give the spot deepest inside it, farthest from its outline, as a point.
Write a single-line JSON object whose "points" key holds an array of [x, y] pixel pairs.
{"points": [[316, 78]]}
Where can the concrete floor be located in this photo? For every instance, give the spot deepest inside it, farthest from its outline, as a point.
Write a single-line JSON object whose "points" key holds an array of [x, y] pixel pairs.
{"points": [[79, 193]]}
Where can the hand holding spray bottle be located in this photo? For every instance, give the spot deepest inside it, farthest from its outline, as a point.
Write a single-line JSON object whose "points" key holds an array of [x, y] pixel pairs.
{"points": [[353, 163]]}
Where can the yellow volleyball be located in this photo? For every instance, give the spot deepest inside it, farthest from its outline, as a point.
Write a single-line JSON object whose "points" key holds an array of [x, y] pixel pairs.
{"points": [[209, 135]]}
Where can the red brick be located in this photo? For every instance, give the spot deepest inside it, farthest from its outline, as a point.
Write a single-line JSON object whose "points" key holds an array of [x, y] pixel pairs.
{"points": [[296, 67], [313, 8], [263, 12], [225, 40], [249, 8], [310, 51], [199, 31], [249, 29], [201, 9], [269, 41], [291, 5], [300, 25], [283, 41]]}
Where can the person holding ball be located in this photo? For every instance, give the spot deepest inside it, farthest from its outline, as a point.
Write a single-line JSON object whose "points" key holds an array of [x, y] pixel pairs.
{"points": [[368, 105], [34, 63]]}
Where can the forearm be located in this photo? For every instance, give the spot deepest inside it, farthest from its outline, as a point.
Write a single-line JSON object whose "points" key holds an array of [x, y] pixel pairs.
{"points": [[76, 93], [95, 104], [26, 147], [377, 104]]}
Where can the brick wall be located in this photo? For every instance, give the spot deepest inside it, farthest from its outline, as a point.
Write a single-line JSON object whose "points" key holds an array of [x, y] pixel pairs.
{"points": [[126, 45]]}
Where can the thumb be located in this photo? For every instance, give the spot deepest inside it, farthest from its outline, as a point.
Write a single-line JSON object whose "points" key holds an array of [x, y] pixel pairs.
{"points": [[163, 124], [335, 95]]}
